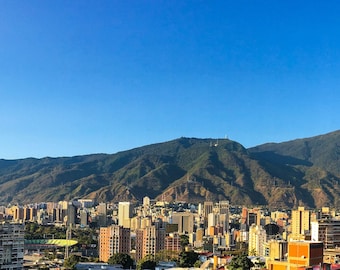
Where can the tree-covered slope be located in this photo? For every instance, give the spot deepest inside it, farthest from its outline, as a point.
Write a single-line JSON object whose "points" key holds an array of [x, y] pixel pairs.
{"points": [[304, 171], [311, 166]]}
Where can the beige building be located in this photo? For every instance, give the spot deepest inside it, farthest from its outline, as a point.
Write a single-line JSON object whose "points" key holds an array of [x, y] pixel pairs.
{"points": [[185, 222], [17, 212], [276, 250], [124, 214], [300, 225], [150, 240]]}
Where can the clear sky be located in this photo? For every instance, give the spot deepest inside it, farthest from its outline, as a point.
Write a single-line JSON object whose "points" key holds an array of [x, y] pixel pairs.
{"points": [[83, 77]]}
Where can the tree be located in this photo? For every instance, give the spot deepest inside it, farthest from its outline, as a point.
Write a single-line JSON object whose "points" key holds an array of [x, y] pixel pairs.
{"points": [[184, 241], [197, 264], [148, 262], [121, 258], [70, 262], [188, 258], [259, 263], [240, 262], [166, 255]]}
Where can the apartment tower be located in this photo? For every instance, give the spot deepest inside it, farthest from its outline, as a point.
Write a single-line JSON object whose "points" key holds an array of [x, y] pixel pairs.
{"points": [[113, 239]]}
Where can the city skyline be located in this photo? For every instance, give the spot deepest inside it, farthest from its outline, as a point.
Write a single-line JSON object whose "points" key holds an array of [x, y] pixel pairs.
{"points": [[81, 78]]}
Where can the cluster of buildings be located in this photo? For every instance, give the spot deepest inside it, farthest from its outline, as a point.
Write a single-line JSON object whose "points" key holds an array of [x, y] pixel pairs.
{"points": [[296, 239]]}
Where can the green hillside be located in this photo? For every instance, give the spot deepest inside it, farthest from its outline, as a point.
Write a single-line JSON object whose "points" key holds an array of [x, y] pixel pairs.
{"points": [[300, 172]]}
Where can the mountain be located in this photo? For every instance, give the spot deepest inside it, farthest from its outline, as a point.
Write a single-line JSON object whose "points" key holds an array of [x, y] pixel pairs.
{"points": [[311, 166], [300, 172]]}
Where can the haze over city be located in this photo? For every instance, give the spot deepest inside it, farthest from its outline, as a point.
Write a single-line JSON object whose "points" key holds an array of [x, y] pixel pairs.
{"points": [[83, 77]]}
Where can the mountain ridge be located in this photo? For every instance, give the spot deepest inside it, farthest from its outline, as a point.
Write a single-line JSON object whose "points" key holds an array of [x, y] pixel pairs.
{"points": [[298, 172]]}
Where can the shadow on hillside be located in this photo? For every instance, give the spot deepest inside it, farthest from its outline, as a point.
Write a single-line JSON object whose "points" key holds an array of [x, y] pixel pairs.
{"points": [[280, 159]]}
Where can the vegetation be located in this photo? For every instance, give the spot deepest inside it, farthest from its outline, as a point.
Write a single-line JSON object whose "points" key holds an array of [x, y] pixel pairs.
{"points": [[35, 231], [84, 237], [184, 240], [123, 259], [278, 175], [148, 262], [240, 262], [71, 262], [188, 258]]}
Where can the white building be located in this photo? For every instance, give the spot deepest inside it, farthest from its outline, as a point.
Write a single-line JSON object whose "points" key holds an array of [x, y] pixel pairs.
{"points": [[257, 239], [11, 246]]}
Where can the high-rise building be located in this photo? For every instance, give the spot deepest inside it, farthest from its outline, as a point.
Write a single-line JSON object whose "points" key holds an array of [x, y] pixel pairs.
{"points": [[113, 239], [300, 225], [102, 215], [11, 246], [207, 208], [17, 213], [146, 201], [150, 240], [30, 213], [276, 250], [185, 222], [244, 216], [71, 214], [218, 221], [327, 231], [84, 218], [223, 207], [124, 214], [257, 238]]}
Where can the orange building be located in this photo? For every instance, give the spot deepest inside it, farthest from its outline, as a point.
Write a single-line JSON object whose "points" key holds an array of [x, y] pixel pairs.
{"points": [[301, 254], [113, 239], [149, 240]]}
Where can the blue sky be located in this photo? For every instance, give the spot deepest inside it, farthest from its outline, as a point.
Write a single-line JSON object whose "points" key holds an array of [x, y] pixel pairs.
{"points": [[83, 77]]}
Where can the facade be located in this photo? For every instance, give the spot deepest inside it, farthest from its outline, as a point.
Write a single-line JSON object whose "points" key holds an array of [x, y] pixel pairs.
{"points": [[301, 254], [300, 224], [84, 218], [207, 208], [327, 231], [150, 240], [102, 214], [218, 221], [113, 239], [276, 250], [71, 214], [11, 246], [185, 222], [124, 214], [257, 239], [173, 242]]}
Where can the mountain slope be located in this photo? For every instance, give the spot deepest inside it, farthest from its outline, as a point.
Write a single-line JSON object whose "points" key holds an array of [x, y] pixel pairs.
{"points": [[300, 172], [311, 165]]}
